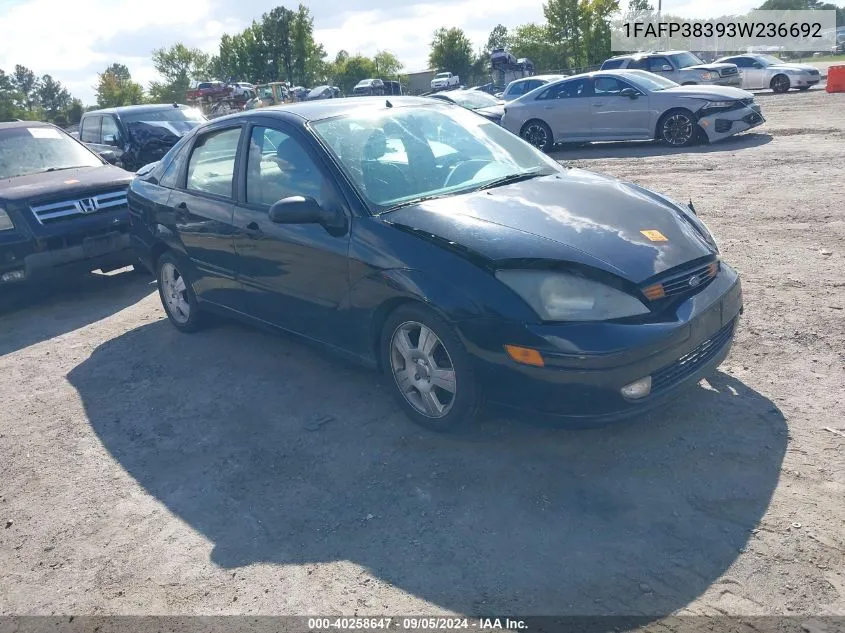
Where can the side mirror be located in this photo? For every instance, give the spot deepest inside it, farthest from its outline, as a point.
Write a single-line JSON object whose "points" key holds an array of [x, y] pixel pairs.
{"points": [[629, 92], [297, 210], [109, 139], [667, 68], [108, 155]]}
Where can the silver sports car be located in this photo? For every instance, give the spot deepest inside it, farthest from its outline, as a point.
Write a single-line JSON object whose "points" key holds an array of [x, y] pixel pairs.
{"points": [[628, 105], [767, 71]]}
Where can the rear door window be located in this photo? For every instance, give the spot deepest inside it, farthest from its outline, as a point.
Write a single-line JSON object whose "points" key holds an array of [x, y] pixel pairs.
{"points": [[656, 64]]}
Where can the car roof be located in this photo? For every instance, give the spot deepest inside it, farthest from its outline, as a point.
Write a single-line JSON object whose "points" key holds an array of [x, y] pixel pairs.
{"points": [[6, 125], [152, 107], [328, 108], [549, 77]]}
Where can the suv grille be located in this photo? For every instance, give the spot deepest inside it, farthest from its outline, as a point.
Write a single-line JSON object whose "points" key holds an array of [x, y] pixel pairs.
{"points": [[689, 363], [68, 209], [689, 281], [726, 72]]}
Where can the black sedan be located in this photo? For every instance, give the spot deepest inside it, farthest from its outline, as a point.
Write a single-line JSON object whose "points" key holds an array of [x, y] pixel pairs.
{"points": [[418, 238]]}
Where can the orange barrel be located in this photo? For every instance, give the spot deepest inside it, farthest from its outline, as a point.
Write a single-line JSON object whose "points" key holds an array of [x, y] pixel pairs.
{"points": [[836, 79]]}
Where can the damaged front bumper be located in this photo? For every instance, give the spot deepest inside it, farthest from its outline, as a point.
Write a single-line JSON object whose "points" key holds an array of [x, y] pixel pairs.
{"points": [[721, 124]]}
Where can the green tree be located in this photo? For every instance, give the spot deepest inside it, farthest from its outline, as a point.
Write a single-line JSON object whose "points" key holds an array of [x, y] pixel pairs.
{"points": [[532, 41], [74, 112], [498, 38], [115, 88], [351, 71], [54, 98], [26, 85], [451, 50], [386, 64], [563, 18], [595, 16], [9, 98], [178, 65]]}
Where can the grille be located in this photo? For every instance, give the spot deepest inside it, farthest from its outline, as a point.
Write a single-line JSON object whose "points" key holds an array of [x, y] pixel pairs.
{"points": [[69, 209], [689, 281], [725, 72], [689, 363]]}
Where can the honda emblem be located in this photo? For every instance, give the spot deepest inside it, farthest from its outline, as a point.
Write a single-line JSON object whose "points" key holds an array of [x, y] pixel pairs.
{"points": [[88, 205]]}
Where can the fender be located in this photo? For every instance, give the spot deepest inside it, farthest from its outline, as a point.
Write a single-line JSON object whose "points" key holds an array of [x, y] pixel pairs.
{"points": [[396, 285]]}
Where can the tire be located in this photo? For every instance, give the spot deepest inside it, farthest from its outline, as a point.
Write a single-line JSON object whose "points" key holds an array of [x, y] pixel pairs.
{"points": [[177, 295], [779, 84], [411, 364], [677, 128], [538, 134]]}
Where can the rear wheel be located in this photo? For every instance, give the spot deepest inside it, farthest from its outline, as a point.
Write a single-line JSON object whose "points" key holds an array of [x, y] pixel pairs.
{"points": [[538, 134], [431, 372], [779, 84], [177, 296], [677, 128]]}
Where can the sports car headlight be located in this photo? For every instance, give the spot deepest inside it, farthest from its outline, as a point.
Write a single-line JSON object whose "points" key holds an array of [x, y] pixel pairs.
{"points": [[6, 223], [558, 296], [720, 104]]}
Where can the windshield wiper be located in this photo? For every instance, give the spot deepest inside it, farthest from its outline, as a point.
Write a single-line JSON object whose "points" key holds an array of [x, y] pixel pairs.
{"points": [[508, 180], [62, 168], [413, 201]]}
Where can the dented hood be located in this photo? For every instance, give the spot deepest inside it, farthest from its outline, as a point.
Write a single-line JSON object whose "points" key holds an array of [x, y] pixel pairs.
{"points": [[575, 216]]}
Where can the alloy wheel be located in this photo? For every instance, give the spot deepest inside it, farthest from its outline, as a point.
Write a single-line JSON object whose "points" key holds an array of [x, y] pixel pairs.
{"points": [[536, 135], [423, 369], [677, 129], [173, 291]]}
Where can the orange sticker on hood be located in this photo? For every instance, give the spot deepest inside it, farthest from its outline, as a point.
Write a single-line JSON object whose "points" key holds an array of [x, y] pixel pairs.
{"points": [[654, 235]]}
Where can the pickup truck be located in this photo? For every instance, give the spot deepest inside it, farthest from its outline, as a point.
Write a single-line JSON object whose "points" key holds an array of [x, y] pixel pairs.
{"points": [[209, 90], [63, 209], [445, 81], [681, 67]]}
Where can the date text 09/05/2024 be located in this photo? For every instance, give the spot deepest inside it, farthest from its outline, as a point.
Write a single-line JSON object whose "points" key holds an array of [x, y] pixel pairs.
{"points": [[415, 623], [723, 29]]}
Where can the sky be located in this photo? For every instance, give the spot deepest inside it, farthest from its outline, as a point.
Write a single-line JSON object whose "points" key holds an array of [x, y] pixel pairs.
{"points": [[73, 41]]}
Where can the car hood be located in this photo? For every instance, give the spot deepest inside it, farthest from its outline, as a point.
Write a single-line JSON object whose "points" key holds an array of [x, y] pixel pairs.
{"points": [[706, 92], [575, 216], [494, 111], [713, 66], [67, 181]]}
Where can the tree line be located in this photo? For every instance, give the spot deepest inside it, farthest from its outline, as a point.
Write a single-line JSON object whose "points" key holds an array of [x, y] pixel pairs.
{"points": [[26, 96], [280, 46]]}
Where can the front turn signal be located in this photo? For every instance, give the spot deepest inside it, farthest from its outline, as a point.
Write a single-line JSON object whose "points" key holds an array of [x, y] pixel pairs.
{"points": [[525, 355]]}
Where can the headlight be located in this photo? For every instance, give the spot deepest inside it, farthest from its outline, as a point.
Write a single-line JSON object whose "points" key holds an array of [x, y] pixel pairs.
{"points": [[558, 296], [720, 104], [6, 223], [707, 76]]}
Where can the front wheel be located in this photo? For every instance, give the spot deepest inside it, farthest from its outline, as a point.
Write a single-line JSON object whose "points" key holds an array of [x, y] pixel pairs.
{"points": [[677, 128], [538, 134], [176, 294], [431, 372], [780, 84]]}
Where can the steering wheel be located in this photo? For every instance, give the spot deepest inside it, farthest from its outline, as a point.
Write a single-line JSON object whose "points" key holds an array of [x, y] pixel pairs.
{"points": [[464, 171]]}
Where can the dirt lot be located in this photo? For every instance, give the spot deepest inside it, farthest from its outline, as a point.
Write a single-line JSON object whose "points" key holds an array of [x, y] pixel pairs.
{"points": [[145, 471]]}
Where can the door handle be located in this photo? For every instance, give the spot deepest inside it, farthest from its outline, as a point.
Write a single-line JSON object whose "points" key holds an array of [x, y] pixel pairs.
{"points": [[253, 230], [182, 211]]}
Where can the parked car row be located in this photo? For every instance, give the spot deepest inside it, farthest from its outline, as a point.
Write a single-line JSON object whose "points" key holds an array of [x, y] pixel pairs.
{"points": [[413, 235]]}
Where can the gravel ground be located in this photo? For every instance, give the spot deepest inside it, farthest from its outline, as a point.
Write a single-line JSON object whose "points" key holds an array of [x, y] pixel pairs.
{"points": [[148, 472]]}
